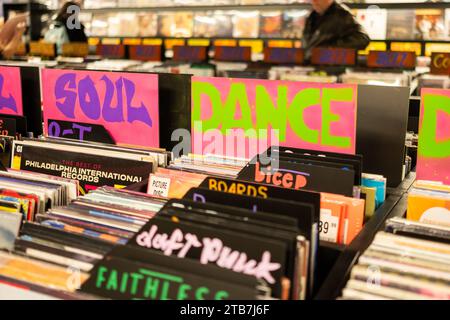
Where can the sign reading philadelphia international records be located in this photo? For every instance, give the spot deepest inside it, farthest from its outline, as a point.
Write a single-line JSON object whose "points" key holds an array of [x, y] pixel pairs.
{"points": [[126, 104], [243, 117]]}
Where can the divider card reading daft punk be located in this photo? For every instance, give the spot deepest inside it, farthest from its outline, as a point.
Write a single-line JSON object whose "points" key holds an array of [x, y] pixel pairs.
{"points": [[243, 117], [126, 104]]}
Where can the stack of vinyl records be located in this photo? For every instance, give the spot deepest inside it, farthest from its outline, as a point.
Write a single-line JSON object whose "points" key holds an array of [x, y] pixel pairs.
{"points": [[54, 255], [409, 261], [209, 164]]}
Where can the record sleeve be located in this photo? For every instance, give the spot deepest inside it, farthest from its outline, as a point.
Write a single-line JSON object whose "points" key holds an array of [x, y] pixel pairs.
{"points": [[430, 24], [294, 23], [246, 24], [400, 24], [270, 24]]}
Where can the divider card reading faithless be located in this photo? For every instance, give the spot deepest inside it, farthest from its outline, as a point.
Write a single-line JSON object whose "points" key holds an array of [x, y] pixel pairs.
{"points": [[242, 117], [251, 255], [126, 104], [160, 277], [10, 91], [433, 158]]}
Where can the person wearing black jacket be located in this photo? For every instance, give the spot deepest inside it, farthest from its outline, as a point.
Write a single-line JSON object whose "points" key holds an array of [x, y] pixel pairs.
{"points": [[332, 25]]}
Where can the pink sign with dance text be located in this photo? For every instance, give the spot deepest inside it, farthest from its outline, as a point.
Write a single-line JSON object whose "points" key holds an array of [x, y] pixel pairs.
{"points": [[243, 117]]}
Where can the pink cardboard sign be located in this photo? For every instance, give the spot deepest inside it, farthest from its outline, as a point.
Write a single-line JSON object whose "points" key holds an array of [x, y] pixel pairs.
{"points": [[125, 104], [10, 91], [243, 117], [433, 158]]}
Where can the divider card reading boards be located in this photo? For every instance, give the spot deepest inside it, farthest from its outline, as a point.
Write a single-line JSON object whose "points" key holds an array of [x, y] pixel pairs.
{"points": [[126, 104], [10, 91], [433, 158], [242, 117]]}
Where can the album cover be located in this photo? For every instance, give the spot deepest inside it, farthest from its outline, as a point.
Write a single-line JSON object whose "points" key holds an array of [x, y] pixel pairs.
{"points": [[374, 22], [430, 24], [246, 24], [294, 23], [205, 25], [270, 24], [176, 24], [400, 24]]}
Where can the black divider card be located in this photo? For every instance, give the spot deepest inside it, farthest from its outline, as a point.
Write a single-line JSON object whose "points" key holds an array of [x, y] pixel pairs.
{"points": [[269, 232], [135, 273], [263, 218], [79, 131], [90, 170], [344, 161], [250, 189], [381, 130], [302, 212], [301, 176], [252, 255]]}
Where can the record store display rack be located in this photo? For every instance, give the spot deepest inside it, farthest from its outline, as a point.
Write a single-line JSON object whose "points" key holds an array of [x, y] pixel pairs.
{"points": [[202, 179]]}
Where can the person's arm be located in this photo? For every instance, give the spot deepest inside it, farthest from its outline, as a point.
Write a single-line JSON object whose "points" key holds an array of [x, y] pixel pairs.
{"points": [[11, 48], [8, 31]]}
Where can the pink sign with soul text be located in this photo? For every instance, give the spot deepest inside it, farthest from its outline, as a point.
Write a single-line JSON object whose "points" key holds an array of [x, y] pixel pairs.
{"points": [[10, 91], [243, 117], [433, 156], [125, 104]]}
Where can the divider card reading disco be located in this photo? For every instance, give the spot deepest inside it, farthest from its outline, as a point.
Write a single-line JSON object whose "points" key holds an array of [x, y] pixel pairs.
{"points": [[433, 161], [125, 104], [242, 117], [10, 91]]}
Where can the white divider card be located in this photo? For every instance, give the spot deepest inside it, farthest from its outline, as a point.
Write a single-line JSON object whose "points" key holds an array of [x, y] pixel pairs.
{"points": [[159, 186], [328, 226], [125, 104]]}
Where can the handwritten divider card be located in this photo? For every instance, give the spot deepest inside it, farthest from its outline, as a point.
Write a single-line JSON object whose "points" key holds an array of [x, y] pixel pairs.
{"points": [[259, 113], [440, 63], [248, 254], [433, 159], [125, 104], [10, 91]]}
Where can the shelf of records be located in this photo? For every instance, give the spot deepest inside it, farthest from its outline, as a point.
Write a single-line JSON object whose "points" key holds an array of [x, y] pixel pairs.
{"points": [[328, 65], [111, 4], [380, 24], [263, 22], [105, 204]]}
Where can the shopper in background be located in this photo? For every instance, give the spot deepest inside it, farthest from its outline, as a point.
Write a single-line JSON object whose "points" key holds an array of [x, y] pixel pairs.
{"points": [[65, 26], [11, 33], [332, 25]]}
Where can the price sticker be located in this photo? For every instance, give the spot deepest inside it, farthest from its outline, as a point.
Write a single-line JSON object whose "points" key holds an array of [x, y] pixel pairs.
{"points": [[328, 226]]}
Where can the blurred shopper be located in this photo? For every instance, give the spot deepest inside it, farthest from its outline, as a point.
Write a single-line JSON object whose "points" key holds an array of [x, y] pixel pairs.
{"points": [[11, 35], [331, 25], [66, 27]]}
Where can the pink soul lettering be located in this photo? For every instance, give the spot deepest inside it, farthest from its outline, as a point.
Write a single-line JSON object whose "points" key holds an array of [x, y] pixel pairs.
{"points": [[213, 251]]}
